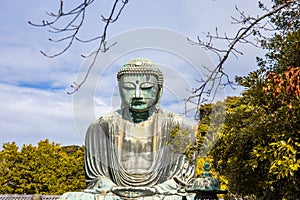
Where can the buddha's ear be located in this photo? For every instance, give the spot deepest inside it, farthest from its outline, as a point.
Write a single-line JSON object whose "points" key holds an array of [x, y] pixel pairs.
{"points": [[160, 91]]}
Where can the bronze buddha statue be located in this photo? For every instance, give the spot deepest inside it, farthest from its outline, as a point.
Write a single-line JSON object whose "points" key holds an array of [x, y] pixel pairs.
{"points": [[128, 153]]}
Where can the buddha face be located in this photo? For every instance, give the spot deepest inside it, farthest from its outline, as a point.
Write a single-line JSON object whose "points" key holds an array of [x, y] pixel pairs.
{"points": [[139, 91]]}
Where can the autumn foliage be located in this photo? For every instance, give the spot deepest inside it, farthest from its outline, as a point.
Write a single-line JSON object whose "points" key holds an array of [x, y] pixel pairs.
{"points": [[285, 86]]}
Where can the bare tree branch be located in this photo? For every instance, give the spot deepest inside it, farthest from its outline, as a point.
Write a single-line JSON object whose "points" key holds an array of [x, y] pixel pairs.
{"points": [[75, 19], [217, 77], [250, 27], [102, 47]]}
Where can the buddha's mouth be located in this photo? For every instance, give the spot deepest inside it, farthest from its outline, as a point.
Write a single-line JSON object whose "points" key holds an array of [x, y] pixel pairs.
{"points": [[137, 102]]}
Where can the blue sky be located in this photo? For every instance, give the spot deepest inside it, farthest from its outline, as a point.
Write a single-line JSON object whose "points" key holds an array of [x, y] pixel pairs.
{"points": [[34, 104]]}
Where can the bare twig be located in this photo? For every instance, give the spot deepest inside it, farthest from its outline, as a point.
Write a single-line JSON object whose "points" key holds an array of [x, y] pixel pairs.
{"points": [[75, 19], [250, 27], [102, 45]]}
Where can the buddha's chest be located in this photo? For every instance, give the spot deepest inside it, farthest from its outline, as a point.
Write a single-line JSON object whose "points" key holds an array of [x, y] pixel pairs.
{"points": [[137, 152]]}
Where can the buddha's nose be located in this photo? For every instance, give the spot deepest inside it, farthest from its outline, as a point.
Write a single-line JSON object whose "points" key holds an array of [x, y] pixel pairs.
{"points": [[138, 93]]}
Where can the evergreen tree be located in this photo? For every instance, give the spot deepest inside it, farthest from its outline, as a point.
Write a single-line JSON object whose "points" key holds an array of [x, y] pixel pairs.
{"points": [[259, 151], [45, 169]]}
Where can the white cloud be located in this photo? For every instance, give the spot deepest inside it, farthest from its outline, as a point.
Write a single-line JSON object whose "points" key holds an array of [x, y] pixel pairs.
{"points": [[29, 115], [23, 65]]}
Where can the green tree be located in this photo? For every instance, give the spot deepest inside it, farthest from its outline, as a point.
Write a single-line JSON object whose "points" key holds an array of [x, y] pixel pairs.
{"points": [[212, 117], [259, 151], [8, 159], [210, 132], [45, 169], [232, 152]]}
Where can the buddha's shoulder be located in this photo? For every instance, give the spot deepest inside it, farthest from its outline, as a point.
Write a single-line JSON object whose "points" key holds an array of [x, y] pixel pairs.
{"points": [[108, 118]]}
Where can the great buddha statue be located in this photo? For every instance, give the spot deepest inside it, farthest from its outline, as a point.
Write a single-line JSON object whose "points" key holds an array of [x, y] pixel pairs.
{"points": [[131, 153]]}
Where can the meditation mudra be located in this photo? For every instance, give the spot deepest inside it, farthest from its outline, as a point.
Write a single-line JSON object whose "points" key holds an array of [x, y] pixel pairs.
{"points": [[129, 152]]}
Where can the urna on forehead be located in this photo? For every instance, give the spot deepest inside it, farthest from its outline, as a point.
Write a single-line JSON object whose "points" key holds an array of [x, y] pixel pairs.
{"points": [[141, 66]]}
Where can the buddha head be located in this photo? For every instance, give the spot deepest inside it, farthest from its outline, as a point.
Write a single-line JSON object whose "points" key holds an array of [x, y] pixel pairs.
{"points": [[140, 84]]}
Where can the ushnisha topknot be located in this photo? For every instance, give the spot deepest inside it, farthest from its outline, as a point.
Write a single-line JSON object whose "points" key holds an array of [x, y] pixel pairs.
{"points": [[141, 66]]}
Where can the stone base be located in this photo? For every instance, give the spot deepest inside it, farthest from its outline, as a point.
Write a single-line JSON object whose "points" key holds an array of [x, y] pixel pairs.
{"points": [[111, 196]]}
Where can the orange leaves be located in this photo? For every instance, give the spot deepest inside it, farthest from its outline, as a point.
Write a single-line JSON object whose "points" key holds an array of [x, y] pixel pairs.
{"points": [[293, 81], [284, 86]]}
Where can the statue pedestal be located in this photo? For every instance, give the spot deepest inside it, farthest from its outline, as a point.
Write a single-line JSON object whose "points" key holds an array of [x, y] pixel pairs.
{"points": [[111, 196]]}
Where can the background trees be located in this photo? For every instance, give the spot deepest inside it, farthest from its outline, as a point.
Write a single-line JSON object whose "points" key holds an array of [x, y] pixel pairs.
{"points": [[45, 169], [258, 151]]}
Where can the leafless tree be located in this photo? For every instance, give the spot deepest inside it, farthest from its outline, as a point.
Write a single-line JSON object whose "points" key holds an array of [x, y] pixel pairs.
{"points": [[251, 32], [217, 77], [73, 21]]}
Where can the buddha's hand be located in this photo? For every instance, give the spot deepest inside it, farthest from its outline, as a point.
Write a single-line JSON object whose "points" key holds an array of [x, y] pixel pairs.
{"points": [[102, 185], [133, 192]]}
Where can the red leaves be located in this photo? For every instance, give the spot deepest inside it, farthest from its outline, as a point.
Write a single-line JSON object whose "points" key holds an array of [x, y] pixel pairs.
{"points": [[284, 86]]}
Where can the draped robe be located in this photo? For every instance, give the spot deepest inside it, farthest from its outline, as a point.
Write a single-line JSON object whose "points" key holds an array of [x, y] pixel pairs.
{"points": [[120, 152]]}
